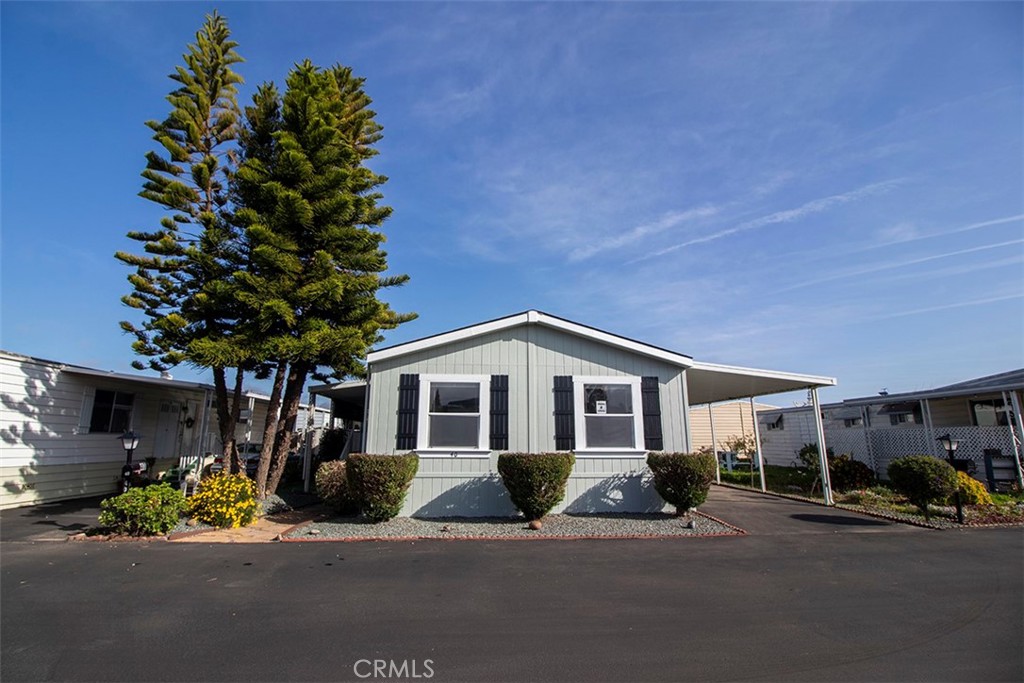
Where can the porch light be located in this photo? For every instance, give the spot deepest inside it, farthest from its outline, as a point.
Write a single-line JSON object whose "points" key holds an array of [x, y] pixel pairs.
{"points": [[129, 442], [951, 444]]}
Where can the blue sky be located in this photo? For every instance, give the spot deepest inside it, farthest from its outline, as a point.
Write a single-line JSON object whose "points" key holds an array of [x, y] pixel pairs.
{"points": [[825, 188]]}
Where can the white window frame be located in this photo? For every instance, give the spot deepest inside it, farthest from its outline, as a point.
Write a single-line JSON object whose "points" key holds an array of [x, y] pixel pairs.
{"points": [[579, 406], [482, 449]]}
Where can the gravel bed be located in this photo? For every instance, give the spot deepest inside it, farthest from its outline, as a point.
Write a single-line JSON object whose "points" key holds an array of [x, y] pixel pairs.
{"points": [[630, 525]]}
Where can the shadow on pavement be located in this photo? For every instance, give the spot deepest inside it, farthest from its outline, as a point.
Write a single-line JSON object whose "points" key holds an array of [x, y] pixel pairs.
{"points": [[838, 520]]}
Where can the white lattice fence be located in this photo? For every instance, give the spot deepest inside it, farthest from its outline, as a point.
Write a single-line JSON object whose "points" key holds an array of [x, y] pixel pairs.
{"points": [[852, 441], [889, 444]]}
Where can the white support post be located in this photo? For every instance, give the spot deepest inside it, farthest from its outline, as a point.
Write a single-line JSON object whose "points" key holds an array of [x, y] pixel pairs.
{"points": [[757, 444], [864, 415], [714, 444], [826, 482], [307, 459], [926, 413], [1018, 422]]}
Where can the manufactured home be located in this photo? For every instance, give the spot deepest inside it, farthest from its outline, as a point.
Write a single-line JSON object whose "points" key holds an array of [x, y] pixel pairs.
{"points": [[60, 423], [982, 414], [534, 382]]}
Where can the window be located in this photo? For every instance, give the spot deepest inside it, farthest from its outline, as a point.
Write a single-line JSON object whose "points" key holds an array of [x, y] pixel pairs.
{"points": [[111, 412], [903, 418], [776, 424], [990, 413], [608, 415], [853, 422], [451, 412]]}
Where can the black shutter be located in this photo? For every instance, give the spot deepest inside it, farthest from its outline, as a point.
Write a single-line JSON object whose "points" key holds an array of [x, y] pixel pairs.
{"points": [[652, 413], [408, 411], [499, 412], [565, 414]]}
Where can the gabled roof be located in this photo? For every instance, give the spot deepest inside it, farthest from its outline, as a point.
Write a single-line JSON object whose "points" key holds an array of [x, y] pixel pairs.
{"points": [[531, 318]]}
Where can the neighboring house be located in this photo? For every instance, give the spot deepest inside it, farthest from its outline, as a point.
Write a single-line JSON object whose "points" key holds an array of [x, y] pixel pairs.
{"points": [[983, 414], [60, 423], [533, 382], [730, 420]]}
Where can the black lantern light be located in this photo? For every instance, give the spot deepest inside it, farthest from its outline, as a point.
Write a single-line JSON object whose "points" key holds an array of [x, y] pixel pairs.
{"points": [[951, 444]]}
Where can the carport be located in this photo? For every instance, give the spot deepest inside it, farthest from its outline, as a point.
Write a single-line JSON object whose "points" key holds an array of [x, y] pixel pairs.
{"points": [[710, 383]]}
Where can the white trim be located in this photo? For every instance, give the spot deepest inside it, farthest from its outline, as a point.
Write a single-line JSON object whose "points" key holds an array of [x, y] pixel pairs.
{"points": [[449, 453], [606, 453], [766, 374], [423, 416], [531, 317], [579, 415]]}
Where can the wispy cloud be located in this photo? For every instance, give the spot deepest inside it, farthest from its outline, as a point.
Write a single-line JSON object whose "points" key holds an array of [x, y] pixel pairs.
{"points": [[906, 263], [787, 216], [669, 220], [947, 307]]}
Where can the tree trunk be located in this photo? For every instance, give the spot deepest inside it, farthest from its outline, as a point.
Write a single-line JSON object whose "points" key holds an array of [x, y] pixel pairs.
{"points": [[286, 422], [270, 430], [236, 411], [225, 424]]}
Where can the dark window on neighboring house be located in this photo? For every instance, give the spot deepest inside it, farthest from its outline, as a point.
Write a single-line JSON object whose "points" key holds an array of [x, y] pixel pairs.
{"points": [[853, 422], [111, 412], [776, 424], [990, 413], [904, 418]]}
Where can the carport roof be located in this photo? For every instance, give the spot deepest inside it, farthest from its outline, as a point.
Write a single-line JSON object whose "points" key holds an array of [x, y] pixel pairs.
{"points": [[711, 382]]}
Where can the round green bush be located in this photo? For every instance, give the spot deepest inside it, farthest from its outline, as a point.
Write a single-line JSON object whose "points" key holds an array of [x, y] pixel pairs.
{"points": [[972, 491], [847, 474], [923, 480], [147, 511], [333, 489], [379, 482], [535, 481], [682, 479]]}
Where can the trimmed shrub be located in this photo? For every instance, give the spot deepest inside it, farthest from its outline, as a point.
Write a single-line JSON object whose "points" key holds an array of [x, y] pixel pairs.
{"points": [[808, 455], [682, 479], [972, 491], [225, 500], [332, 443], [847, 474], [535, 481], [379, 482], [923, 480], [333, 489], [144, 511]]}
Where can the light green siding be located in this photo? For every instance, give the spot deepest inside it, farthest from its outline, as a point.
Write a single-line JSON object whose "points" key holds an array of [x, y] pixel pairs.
{"points": [[531, 356]]}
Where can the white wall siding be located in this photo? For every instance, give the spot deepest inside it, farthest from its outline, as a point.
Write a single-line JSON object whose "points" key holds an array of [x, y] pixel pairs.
{"points": [[46, 453]]}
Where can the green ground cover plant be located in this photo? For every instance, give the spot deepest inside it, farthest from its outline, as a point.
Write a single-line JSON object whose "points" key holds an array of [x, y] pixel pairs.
{"points": [[146, 511]]}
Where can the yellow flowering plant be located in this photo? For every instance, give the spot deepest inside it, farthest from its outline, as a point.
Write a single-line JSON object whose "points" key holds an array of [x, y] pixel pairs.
{"points": [[225, 500]]}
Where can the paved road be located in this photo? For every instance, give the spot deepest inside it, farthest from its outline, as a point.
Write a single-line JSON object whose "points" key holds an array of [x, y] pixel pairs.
{"points": [[804, 599]]}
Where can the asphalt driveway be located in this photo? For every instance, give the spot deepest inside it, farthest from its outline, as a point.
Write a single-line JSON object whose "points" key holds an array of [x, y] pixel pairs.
{"points": [[821, 601]]}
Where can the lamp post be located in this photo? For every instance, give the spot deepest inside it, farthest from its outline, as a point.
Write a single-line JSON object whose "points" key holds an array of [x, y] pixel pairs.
{"points": [[951, 444], [129, 441]]}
